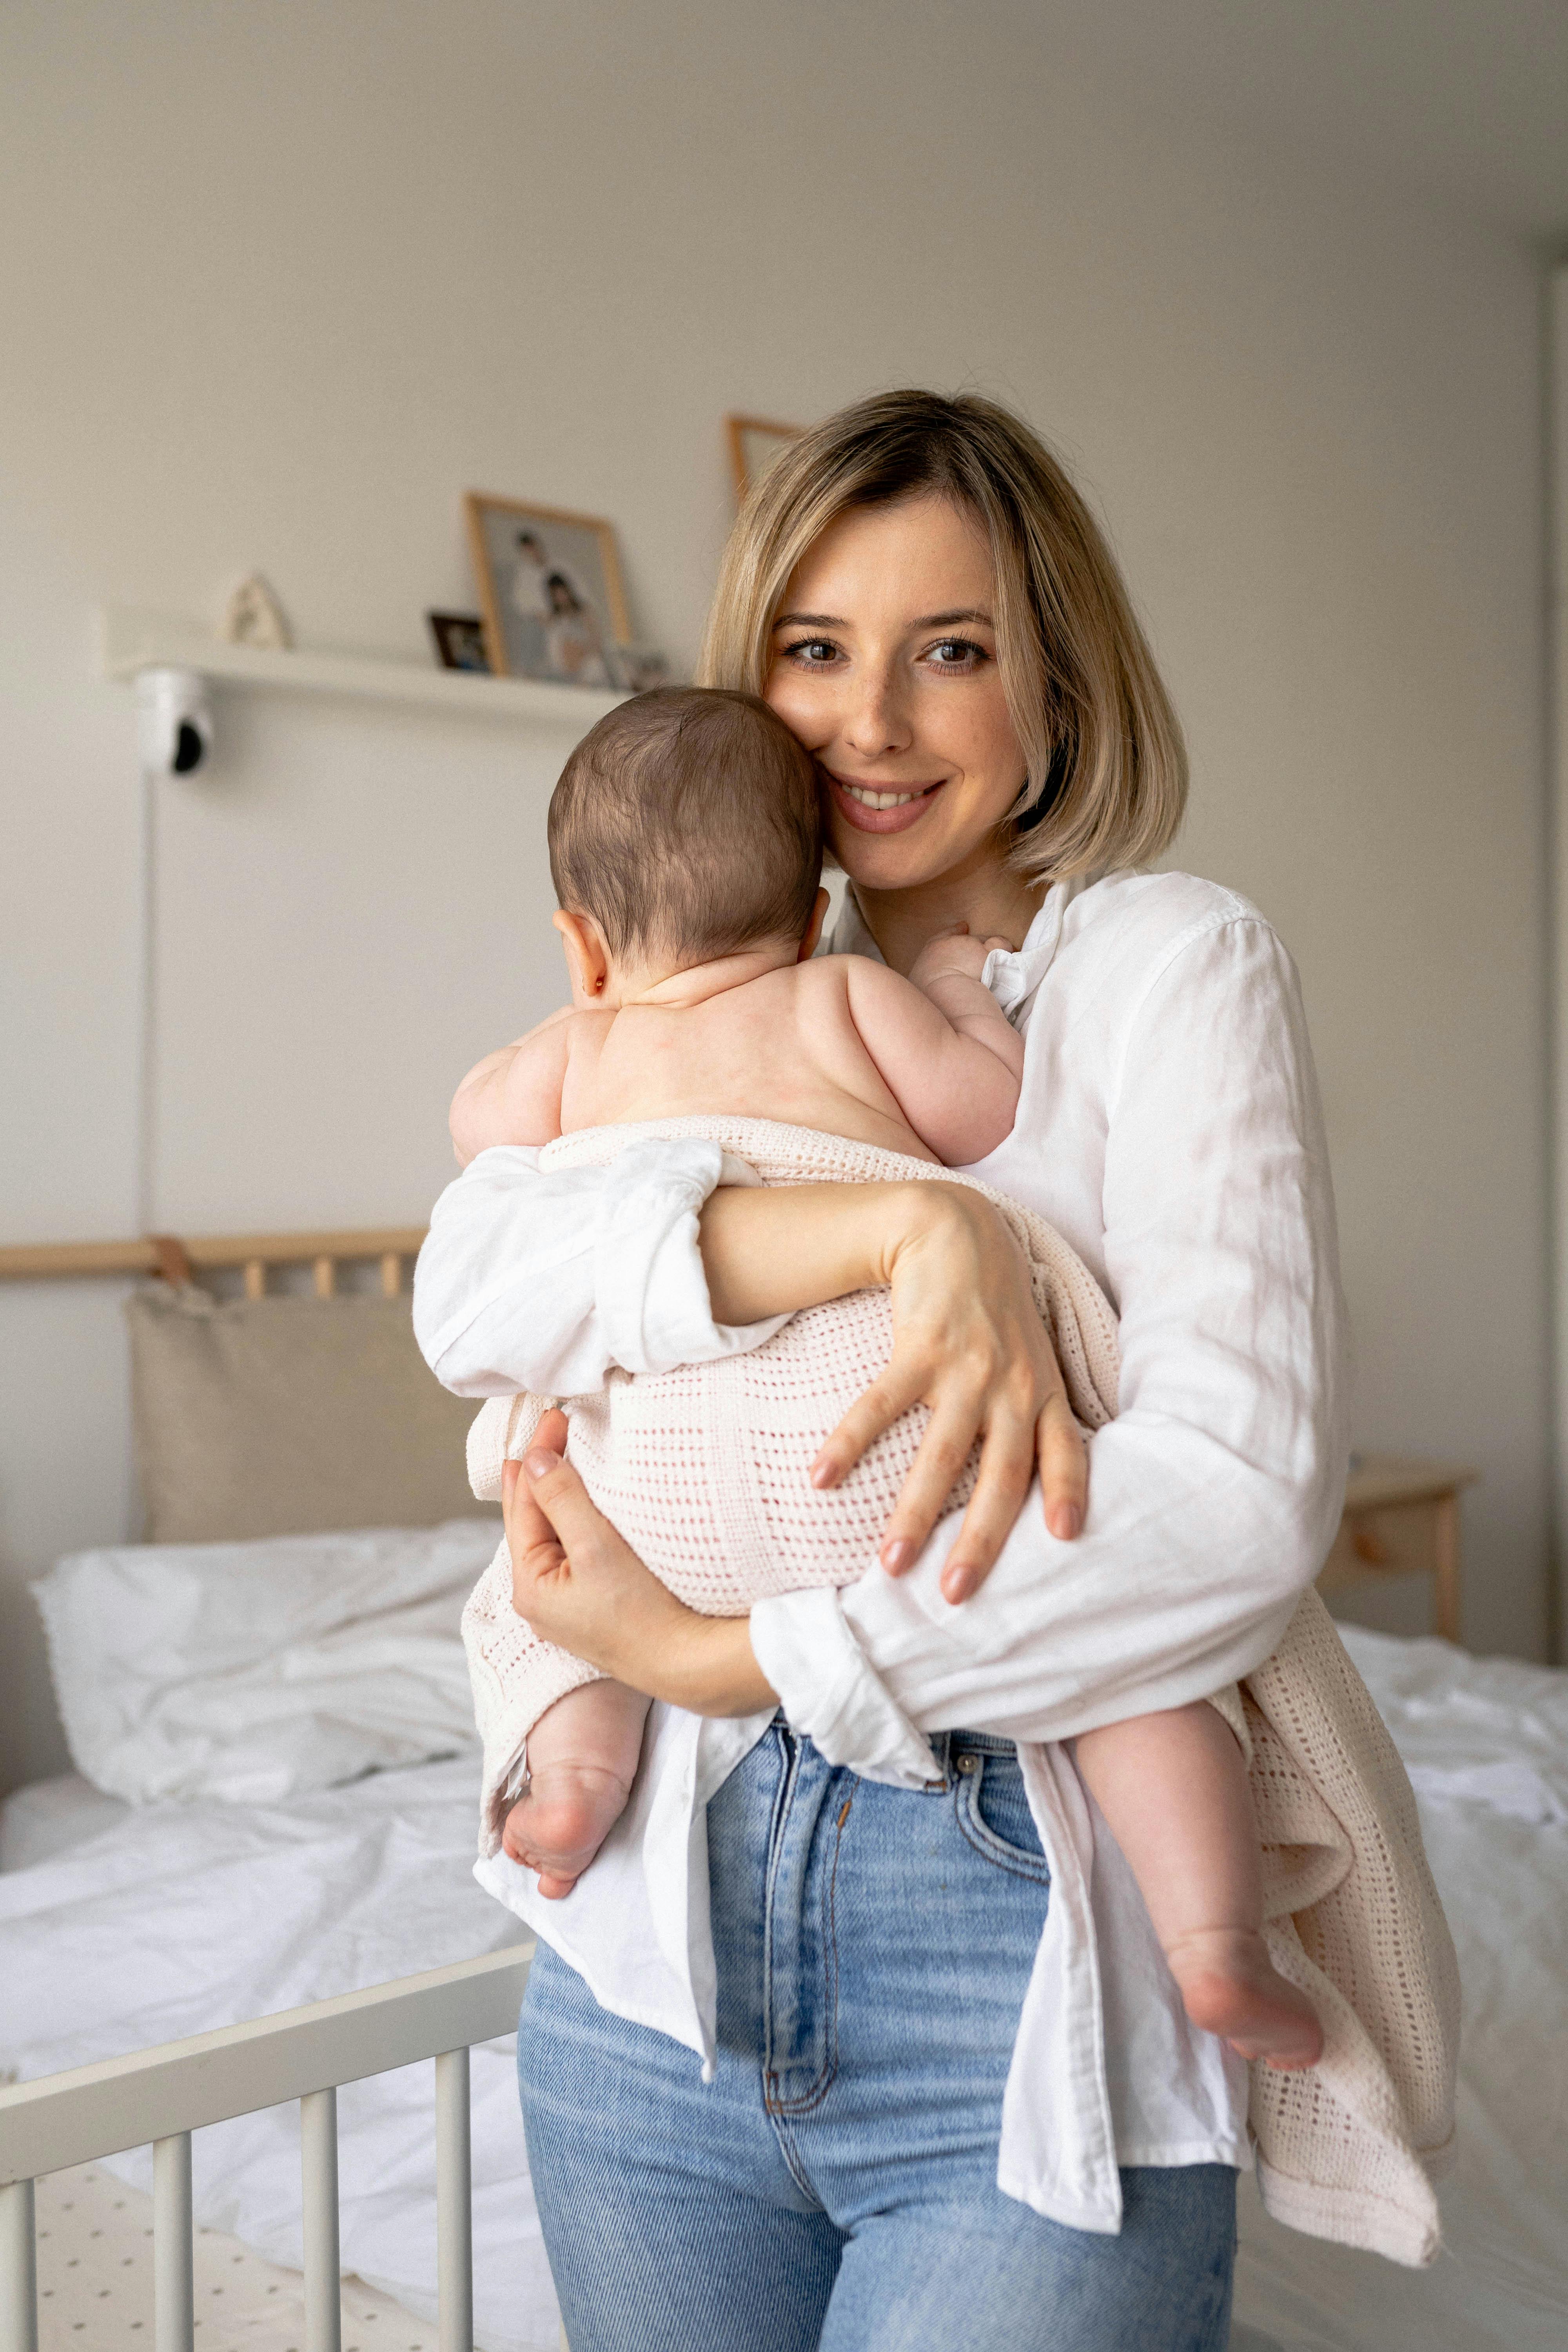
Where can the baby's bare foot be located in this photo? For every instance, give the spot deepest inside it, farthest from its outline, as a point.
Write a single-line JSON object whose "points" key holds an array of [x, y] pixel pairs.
{"points": [[1231, 1986], [562, 1819]]}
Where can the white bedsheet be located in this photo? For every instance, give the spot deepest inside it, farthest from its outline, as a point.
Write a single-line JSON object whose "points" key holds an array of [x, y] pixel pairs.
{"points": [[185, 1917]]}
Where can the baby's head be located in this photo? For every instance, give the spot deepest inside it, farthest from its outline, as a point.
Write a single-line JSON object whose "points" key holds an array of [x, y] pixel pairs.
{"points": [[686, 826]]}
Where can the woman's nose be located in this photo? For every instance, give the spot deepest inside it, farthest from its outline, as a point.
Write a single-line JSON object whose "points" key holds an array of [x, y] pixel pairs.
{"points": [[877, 721]]}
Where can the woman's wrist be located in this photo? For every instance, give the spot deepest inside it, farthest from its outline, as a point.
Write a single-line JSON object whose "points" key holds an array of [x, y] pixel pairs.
{"points": [[714, 1671]]}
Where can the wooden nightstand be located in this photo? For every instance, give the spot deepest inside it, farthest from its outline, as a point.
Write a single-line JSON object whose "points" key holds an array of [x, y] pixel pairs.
{"points": [[1399, 1516]]}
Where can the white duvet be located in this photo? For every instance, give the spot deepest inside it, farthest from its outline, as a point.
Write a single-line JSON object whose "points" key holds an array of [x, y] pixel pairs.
{"points": [[179, 1917]]}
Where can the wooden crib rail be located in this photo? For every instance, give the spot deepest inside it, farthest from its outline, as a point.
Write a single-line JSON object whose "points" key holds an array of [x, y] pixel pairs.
{"points": [[179, 1259]]}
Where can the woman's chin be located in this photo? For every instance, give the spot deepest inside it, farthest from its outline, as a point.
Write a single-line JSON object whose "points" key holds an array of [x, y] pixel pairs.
{"points": [[893, 861]]}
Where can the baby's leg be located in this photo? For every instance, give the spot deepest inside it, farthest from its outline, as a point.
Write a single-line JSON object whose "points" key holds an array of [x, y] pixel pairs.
{"points": [[1173, 1788], [582, 1761]]}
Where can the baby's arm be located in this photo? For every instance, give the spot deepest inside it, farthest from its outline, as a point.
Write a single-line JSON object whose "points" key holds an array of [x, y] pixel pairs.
{"points": [[943, 1044], [513, 1097]]}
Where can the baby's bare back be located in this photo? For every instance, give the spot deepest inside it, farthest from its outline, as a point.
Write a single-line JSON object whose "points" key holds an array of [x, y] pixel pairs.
{"points": [[784, 1046]]}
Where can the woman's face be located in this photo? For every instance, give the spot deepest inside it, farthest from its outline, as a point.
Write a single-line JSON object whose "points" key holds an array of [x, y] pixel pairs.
{"points": [[884, 664]]}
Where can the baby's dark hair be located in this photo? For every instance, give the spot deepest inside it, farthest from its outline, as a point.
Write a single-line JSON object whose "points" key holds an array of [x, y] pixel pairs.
{"points": [[686, 823]]}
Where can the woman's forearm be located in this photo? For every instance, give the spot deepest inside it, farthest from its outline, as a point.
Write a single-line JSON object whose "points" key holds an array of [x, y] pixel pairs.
{"points": [[773, 1251]]}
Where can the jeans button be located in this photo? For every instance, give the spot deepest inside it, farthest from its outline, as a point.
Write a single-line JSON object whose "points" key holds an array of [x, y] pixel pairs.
{"points": [[966, 1763]]}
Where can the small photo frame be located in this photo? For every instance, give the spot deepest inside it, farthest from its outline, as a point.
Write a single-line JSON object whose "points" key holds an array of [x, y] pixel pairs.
{"points": [[755, 444], [459, 641], [549, 590]]}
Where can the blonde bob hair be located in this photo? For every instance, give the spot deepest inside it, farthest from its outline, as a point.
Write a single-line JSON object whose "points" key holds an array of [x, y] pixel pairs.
{"points": [[1105, 766]]}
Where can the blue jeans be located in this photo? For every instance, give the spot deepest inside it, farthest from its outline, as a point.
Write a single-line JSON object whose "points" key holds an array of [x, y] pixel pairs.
{"points": [[836, 2186]]}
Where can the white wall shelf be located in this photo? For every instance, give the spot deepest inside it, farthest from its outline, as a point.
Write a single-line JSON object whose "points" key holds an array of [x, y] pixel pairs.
{"points": [[138, 641]]}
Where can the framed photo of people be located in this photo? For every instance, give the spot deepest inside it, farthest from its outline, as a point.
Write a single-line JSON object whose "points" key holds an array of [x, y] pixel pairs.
{"points": [[549, 590]]}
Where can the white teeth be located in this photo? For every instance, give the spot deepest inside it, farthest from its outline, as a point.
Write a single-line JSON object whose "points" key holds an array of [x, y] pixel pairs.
{"points": [[880, 800]]}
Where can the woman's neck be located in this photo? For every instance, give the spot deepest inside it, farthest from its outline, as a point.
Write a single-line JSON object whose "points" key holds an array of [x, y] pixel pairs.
{"points": [[993, 901]]}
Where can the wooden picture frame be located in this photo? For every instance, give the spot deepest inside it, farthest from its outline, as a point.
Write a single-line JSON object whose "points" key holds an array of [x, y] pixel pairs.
{"points": [[549, 590], [754, 443], [460, 642]]}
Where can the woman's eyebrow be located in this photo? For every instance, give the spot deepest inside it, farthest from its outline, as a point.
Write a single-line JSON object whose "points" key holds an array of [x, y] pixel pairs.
{"points": [[973, 614]]}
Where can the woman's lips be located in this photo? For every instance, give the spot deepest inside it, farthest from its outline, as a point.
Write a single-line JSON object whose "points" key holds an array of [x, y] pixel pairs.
{"points": [[883, 808]]}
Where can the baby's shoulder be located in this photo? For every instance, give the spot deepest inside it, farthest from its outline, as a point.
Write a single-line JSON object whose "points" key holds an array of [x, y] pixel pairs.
{"points": [[815, 982], [843, 973]]}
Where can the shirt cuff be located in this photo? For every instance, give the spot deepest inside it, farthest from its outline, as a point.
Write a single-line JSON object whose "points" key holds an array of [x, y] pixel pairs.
{"points": [[649, 1287], [830, 1693]]}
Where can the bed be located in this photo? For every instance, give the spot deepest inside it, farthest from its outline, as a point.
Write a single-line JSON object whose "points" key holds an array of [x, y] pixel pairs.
{"points": [[222, 1896]]}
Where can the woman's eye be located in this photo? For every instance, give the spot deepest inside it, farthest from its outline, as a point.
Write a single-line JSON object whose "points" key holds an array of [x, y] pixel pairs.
{"points": [[812, 653], [956, 653]]}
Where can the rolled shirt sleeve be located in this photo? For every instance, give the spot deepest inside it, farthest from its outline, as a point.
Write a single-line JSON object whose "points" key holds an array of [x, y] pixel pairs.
{"points": [[549, 1279], [1215, 1493]]}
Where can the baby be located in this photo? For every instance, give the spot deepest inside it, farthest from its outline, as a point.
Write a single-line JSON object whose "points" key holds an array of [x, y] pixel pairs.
{"points": [[686, 850]]}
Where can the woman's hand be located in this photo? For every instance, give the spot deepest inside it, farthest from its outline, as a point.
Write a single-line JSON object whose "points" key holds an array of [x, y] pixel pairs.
{"points": [[579, 1584], [968, 1342]]}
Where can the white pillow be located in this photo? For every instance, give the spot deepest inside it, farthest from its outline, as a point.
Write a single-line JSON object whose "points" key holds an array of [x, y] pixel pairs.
{"points": [[251, 1672]]}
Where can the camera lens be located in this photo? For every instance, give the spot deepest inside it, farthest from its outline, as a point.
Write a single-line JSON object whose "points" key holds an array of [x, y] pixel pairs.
{"points": [[188, 749]]}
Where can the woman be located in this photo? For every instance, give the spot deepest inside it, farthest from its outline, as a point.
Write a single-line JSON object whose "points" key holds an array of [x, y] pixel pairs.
{"points": [[951, 2098]]}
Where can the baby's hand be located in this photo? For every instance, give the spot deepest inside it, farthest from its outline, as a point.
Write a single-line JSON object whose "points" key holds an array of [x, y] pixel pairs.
{"points": [[957, 951]]}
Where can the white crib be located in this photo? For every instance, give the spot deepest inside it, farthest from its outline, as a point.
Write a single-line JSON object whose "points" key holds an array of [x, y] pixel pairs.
{"points": [[162, 2095]]}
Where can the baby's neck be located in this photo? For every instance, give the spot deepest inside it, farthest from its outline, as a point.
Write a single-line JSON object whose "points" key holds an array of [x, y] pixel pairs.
{"points": [[681, 986]]}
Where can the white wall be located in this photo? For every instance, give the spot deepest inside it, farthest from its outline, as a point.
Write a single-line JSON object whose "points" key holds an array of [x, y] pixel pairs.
{"points": [[279, 283]]}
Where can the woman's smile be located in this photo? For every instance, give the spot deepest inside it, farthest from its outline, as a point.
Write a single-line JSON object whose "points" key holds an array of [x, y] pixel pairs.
{"points": [[872, 806]]}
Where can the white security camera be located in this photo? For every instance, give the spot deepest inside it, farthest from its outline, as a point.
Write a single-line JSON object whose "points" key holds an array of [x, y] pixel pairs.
{"points": [[174, 720]]}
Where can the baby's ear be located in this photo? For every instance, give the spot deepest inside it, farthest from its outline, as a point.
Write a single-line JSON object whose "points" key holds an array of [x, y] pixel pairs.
{"points": [[813, 930], [587, 958]]}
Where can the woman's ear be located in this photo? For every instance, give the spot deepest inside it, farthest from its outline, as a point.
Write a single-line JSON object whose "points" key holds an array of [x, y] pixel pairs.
{"points": [[807, 947], [587, 958]]}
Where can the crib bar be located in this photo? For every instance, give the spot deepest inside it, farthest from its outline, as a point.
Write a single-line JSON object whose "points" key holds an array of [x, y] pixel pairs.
{"points": [[18, 2269], [454, 2205], [319, 2161], [324, 1272], [255, 1278], [64, 2119], [391, 1274], [174, 2251]]}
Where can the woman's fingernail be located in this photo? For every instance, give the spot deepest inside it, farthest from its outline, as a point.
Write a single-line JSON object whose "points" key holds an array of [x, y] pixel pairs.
{"points": [[1067, 1520], [539, 1465], [822, 1474], [958, 1584], [898, 1555]]}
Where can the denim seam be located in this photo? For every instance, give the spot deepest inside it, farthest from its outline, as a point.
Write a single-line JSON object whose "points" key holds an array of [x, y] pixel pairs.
{"points": [[790, 1751], [811, 2100], [978, 1833]]}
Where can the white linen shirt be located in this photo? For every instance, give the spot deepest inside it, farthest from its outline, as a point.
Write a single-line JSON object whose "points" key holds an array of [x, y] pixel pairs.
{"points": [[1168, 1127]]}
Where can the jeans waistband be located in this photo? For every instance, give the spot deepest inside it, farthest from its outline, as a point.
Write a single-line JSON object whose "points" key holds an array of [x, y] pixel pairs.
{"points": [[946, 1744]]}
